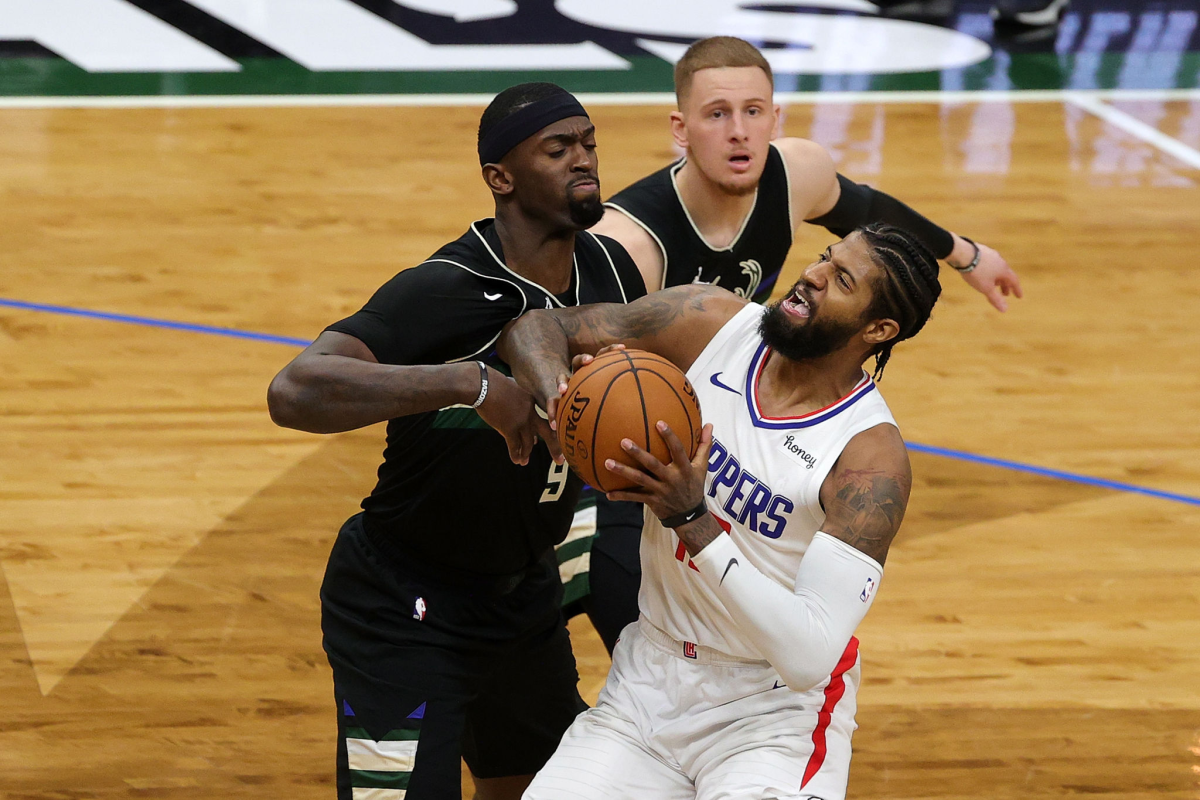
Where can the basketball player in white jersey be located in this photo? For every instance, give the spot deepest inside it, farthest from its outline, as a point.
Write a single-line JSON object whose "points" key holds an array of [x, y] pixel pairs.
{"points": [[763, 553], [727, 214]]}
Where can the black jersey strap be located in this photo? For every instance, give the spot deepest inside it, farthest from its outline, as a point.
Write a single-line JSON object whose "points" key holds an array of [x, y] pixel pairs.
{"points": [[859, 205]]}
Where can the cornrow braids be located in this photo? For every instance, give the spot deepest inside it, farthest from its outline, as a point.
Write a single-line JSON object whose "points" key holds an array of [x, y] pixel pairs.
{"points": [[908, 289]]}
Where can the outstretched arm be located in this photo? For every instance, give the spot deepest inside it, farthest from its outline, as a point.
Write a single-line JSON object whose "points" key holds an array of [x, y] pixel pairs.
{"points": [[802, 633], [839, 204], [675, 323], [336, 384]]}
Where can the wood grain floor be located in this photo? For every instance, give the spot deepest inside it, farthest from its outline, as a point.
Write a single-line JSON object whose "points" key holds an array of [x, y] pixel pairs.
{"points": [[161, 543]]}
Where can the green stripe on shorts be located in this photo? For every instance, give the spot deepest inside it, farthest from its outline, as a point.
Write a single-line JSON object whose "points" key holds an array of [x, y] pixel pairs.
{"points": [[398, 735], [364, 779], [577, 588], [569, 550]]}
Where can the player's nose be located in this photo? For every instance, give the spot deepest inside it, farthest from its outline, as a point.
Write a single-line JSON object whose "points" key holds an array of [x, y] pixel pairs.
{"points": [[738, 131], [582, 159], [816, 276]]}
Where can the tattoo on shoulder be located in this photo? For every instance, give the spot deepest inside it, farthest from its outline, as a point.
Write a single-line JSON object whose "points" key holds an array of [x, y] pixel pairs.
{"points": [[867, 509]]}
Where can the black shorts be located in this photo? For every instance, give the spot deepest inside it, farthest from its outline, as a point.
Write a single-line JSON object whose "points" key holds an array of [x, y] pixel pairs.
{"points": [[425, 673], [616, 570]]}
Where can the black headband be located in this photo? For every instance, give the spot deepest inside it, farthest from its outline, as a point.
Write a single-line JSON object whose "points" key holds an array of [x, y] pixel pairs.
{"points": [[525, 122]]}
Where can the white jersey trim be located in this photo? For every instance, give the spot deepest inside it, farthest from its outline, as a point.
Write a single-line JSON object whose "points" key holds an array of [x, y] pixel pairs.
{"points": [[612, 266], [787, 178], [517, 286], [864, 387], [742, 229], [661, 248], [553, 297]]}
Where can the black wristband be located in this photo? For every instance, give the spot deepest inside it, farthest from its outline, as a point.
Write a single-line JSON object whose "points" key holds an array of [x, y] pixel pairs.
{"points": [[974, 261], [680, 520]]}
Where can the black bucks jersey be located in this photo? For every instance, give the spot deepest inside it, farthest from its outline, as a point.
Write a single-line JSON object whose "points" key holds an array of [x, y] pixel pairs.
{"points": [[447, 491], [749, 265]]}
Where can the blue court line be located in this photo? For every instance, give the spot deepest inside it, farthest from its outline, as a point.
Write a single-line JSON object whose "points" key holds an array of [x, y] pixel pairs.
{"points": [[961, 455], [155, 323], [1046, 472]]}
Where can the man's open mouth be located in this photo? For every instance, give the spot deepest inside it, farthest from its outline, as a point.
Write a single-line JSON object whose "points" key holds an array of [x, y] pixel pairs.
{"points": [[797, 305]]}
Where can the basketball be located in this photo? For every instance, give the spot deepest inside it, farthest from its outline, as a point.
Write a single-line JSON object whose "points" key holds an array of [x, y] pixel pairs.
{"points": [[622, 395]]}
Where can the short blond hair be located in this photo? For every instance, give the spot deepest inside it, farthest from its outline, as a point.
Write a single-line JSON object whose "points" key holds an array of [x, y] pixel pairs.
{"points": [[713, 53]]}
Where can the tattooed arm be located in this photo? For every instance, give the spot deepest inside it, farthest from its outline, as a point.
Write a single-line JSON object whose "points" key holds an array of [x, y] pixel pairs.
{"points": [[866, 492], [675, 323]]}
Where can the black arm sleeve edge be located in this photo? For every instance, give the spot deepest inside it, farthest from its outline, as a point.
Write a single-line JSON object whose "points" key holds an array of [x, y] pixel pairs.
{"points": [[859, 205]]}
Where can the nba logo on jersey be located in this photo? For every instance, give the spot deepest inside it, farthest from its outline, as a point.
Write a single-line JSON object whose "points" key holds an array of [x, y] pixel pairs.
{"points": [[419, 609], [689, 649], [868, 590]]}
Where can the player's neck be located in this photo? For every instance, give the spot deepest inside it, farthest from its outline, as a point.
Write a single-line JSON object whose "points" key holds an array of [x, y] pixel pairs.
{"points": [[533, 251], [789, 388], [718, 214]]}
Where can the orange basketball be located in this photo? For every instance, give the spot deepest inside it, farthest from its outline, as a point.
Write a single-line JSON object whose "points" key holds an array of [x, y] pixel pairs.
{"points": [[622, 395]]}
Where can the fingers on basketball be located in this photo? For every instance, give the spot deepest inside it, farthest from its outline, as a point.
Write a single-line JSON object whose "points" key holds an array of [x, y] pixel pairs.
{"points": [[621, 395]]}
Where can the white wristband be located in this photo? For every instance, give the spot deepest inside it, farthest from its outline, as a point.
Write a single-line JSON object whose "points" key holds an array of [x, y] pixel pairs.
{"points": [[483, 385]]}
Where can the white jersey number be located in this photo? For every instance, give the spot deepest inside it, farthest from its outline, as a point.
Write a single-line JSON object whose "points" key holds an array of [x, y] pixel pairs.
{"points": [[555, 481]]}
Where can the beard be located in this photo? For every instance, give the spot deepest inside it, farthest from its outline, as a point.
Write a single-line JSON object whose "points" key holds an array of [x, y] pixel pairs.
{"points": [[732, 189], [585, 212], [801, 343]]}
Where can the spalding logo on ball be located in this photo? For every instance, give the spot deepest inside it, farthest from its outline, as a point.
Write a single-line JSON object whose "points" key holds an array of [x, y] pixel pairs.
{"points": [[622, 395]]}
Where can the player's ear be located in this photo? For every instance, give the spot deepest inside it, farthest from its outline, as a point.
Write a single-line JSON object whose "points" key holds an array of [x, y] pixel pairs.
{"points": [[881, 330], [777, 131], [498, 179], [678, 131]]}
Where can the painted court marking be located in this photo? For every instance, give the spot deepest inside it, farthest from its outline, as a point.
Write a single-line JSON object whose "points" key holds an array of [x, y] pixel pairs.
{"points": [[961, 455], [1091, 100], [1046, 472], [1135, 127], [597, 99], [152, 322]]}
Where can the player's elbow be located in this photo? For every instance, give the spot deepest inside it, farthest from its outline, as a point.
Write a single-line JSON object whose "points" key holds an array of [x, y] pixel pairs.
{"points": [[280, 401], [285, 402], [805, 663], [803, 677]]}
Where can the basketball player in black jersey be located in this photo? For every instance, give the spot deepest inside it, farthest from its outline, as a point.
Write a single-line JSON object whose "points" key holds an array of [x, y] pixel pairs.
{"points": [[726, 214], [440, 605]]}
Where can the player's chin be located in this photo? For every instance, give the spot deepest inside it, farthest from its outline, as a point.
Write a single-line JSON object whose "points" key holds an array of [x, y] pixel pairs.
{"points": [[740, 184], [585, 211]]}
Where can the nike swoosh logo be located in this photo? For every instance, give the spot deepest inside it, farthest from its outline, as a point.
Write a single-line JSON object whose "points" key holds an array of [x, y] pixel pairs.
{"points": [[720, 385], [732, 563], [779, 685], [493, 296]]}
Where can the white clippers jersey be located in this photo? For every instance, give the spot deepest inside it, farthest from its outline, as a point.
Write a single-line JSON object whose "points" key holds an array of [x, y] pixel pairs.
{"points": [[763, 485]]}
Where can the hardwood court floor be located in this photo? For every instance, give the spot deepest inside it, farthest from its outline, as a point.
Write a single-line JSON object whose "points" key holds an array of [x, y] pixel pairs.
{"points": [[161, 543]]}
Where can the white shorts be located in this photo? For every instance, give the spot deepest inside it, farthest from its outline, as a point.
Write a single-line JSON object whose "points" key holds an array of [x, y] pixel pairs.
{"points": [[677, 721]]}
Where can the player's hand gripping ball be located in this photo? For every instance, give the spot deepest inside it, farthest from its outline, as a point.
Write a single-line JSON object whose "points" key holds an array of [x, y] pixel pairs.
{"points": [[622, 395]]}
